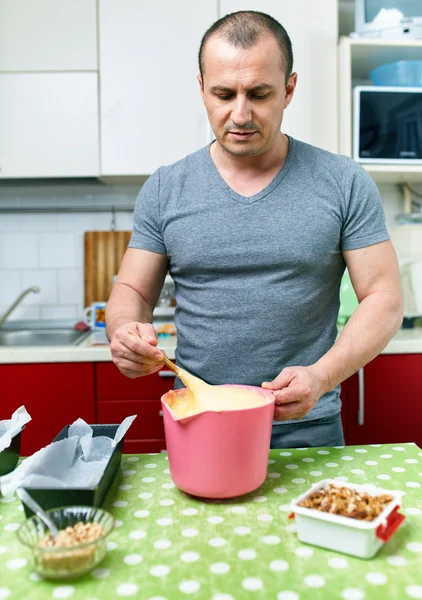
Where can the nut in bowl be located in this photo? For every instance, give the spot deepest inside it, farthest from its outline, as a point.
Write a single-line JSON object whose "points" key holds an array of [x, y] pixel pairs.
{"points": [[78, 548], [347, 517]]}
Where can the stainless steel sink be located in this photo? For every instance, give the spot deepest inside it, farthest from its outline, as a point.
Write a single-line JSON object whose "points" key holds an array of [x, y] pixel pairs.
{"points": [[42, 337]]}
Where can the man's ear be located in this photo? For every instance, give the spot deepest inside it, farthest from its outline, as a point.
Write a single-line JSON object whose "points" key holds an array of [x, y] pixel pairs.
{"points": [[290, 89], [201, 87]]}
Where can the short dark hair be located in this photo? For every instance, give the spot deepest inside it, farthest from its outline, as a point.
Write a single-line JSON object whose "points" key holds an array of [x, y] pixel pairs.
{"points": [[243, 29]]}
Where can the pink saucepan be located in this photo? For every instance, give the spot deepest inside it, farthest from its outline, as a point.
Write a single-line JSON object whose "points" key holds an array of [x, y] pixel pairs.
{"points": [[219, 454]]}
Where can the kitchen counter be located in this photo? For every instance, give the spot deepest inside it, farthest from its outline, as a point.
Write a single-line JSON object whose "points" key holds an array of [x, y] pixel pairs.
{"points": [[170, 546], [406, 341]]}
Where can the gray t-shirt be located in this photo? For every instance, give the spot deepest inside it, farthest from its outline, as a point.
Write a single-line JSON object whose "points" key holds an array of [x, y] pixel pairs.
{"points": [[257, 278]]}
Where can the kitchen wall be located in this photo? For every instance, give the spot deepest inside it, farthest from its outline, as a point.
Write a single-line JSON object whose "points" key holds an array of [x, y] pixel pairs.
{"points": [[46, 249]]}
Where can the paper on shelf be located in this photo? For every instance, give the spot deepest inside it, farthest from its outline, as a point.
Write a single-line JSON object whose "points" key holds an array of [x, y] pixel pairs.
{"points": [[10, 427]]}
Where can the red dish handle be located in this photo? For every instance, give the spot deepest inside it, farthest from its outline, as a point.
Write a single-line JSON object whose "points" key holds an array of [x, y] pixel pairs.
{"points": [[292, 515], [394, 520]]}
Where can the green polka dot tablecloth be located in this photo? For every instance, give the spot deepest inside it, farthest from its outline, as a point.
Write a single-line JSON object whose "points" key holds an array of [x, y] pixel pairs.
{"points": [[168, 546]]}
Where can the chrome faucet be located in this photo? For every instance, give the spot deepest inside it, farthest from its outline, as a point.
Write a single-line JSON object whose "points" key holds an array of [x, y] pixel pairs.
{"points": [[18, 300]]}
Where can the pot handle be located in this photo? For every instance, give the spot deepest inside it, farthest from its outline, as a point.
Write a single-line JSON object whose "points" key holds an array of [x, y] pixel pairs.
{"points": [[385, 531]]}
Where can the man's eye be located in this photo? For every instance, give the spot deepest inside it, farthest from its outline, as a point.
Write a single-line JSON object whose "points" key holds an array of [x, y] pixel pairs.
{"points": [[225, 96], [259, 96]]}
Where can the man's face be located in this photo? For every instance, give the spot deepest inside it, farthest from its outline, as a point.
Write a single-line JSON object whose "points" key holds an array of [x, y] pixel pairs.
{"points": [[245, 94]]}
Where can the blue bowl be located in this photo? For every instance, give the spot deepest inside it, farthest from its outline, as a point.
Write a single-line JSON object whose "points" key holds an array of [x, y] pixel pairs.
{"points": [[403, 73]]}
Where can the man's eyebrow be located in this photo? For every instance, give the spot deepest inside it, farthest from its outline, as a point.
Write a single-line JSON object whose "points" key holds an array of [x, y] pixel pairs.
{"points": [[255, 88]]}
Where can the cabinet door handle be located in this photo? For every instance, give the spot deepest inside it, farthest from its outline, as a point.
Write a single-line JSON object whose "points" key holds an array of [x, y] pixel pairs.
{"points": [[166, 374], [361, 410], [160, 413]]}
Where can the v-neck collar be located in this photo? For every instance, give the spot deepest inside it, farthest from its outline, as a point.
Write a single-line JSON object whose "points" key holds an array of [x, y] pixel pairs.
{"points": [[218, 179]]}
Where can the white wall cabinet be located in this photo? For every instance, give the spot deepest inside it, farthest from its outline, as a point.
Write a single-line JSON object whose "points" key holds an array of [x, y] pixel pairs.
{"points": [[48, 35], [151, 110], [313, 29], [48, 125]]}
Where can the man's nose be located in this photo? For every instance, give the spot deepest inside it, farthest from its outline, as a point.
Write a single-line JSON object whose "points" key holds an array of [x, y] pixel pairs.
{"points": [[241, 112]]}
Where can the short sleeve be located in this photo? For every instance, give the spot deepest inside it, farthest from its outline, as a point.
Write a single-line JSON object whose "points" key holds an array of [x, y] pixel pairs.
{"points": [[364, 223], [147, 230]]}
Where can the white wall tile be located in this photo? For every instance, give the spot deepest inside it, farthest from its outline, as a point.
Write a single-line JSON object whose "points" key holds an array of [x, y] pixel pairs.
{"points": [[58, 312], [75, 222], [25, 312], [38, 222], [57, 250], [10, 287], [9, 222], [71, 286], [20, 251], [46, 280]]}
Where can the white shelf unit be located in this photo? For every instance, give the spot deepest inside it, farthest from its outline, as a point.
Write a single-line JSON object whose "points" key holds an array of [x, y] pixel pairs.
{"points": [[356, 59]]}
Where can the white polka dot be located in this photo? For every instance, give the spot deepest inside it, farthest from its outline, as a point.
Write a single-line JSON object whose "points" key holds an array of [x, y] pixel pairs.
{"points": [[386, 456], [111, 546], [420, 454], [189, 557], [398, 470], [7, 500], [314, 581], [291, 528], [151, 466], [361, 450], [371, 463], [238, 510], [324, 452], [162, 544], [347, 458], [166, 471], [265, 518], [4, 593], [291, 466], [215, 520], [166, 502], [133, 559], [246, 554], [160, 570], [222, 597], [303, 551], [63, 591], [413, 511], [398, 449], [271, 540], [129, 472], [100, 573], [274, 475], [189, 512], [315, 473], [190, 532], [260, 499], [285, 453], [219, 568], [341, 478], [252, 584], [217, 542], [338, 563], [352, 594], [285, 507], [127, 589], [189, 587], [375, 445], [141, 514], [271, 461], [120, 503], [148, 479], [145, 495], [132, 459], [34, 577], [280, 566], [357, 471], [242, 530], [376, 578], [3, 549], [331, 464], [383, 476], [412, 484], [12, 527], [414, 546], [280, 490], [287, 595], [411, 461], [414, 591], [308, 460], [164, 522], [338, 447], [168, 486], [118, 523], [125, 487], [298, 480], [16, 563]]}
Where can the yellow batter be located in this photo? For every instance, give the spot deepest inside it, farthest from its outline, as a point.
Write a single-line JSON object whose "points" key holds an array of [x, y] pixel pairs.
{"points": [[201, 397]]}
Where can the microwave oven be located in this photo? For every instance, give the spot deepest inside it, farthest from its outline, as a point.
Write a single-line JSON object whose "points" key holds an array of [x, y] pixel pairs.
{"points": [[387, 124]]}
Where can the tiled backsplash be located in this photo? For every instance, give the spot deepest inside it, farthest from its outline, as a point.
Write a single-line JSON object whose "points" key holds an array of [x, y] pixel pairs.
{"points": [[46, 249]]}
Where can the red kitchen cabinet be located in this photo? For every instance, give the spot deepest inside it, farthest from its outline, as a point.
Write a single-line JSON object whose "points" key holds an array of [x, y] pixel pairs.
{"points": [[386, 406], [54, 394], [118, 396]]}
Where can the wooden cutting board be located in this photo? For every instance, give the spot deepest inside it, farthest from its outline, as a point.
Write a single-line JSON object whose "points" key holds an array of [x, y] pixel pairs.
{"points": [[103, 253]]}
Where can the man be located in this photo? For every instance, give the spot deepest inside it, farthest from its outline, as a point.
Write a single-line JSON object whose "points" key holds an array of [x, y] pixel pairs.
{"points": [[256, 230]]}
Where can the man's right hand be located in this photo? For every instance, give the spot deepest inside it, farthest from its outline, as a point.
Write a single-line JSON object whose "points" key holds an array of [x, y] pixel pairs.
{"points": [[134, 356]]}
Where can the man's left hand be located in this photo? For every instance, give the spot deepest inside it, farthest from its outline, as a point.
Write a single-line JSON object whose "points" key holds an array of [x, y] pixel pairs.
{"points": [[297, 390]]}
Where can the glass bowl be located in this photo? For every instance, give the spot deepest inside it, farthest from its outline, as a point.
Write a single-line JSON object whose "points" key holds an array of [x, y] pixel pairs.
{"points": [[66, 562]]}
